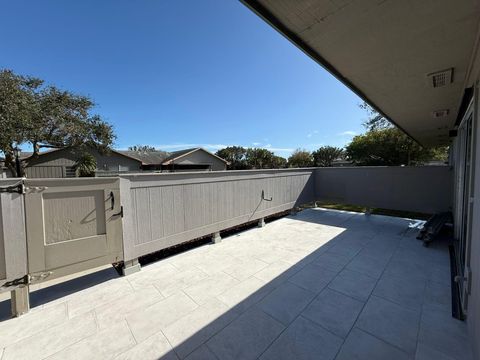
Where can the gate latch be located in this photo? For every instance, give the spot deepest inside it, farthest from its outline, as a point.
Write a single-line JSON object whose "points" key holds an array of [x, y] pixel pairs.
{"points": [[10, 285], [120, 213], [19, 189]]}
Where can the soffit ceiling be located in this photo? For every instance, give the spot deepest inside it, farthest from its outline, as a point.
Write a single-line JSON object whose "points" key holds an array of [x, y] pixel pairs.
{"points": [[384, 50]]}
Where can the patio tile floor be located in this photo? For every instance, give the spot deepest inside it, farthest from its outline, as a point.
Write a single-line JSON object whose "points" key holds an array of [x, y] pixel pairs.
{"points": [[318, 285]]}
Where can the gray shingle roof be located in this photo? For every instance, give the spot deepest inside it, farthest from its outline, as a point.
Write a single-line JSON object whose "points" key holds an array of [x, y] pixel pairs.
{"points": [[146, 157]]}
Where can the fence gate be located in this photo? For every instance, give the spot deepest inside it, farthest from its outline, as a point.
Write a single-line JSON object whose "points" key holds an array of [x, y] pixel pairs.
{"points": [[72, 225]]}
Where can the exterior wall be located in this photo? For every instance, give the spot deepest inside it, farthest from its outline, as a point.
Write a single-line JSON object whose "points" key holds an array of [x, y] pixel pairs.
{"points": [[202, 157], [116, 162], [163, 210], [425, 189], [473, 315], [57, 163]]}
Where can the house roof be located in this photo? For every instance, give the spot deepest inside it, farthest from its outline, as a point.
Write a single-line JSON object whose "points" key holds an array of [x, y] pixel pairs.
{"points": [[146, 157], [156, 157], [181, 153]]}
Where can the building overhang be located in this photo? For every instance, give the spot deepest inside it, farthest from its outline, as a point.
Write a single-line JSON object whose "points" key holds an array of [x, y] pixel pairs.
{"points": [[387, 53]]}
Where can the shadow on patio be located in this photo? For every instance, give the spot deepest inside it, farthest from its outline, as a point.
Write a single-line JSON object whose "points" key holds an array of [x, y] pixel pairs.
{"points": [[318, 285]]}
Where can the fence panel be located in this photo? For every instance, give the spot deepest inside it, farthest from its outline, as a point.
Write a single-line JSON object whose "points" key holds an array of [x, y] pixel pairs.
{"points": [[425, 189], [163, 210]]}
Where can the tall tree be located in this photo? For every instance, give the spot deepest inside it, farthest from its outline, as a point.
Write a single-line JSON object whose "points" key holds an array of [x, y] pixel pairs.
{"points": [[326, 155], [279, 162], [46, 117], [235, 155], [384, 144], [142, 148], [388, 147], [300, 158], [258, 158]]}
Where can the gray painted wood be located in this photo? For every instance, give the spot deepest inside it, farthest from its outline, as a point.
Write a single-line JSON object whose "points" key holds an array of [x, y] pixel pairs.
{"points": [[426, 189], [13, 248], [168, 209], [71, 225]]}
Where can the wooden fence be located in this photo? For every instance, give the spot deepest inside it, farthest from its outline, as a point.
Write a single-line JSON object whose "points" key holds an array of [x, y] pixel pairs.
{"points": [[168, 209], [70, 225]]}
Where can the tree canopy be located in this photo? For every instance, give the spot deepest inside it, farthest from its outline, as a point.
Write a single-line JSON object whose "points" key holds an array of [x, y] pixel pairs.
{"points": [[300, 158], [326, 155], [384, 144], [142, 148], [241, 158], [235, 155], [46, 117]]}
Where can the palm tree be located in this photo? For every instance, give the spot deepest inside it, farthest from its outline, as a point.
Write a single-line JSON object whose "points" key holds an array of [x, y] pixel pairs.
{"points": [[86, 165]]}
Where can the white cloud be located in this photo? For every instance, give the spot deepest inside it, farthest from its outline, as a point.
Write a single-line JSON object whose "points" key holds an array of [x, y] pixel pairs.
{"points": [[310, 134], [256, 143], [347, 133]]}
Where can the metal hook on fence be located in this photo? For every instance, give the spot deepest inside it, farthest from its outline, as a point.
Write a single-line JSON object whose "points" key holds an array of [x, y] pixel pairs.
{"points": [[263, 196]]}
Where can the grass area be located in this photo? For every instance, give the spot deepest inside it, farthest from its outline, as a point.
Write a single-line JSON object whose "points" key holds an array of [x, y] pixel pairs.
{"points": [[375, 211]]}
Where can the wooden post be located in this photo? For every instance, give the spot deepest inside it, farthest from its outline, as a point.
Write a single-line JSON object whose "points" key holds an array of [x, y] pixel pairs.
{"points": [[20, 301], [131, 267], [261, 222], [216, 238]]}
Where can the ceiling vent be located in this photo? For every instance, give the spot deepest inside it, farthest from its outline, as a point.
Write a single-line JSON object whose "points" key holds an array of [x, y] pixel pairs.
{"points": [[441, 78], [440, 113]]}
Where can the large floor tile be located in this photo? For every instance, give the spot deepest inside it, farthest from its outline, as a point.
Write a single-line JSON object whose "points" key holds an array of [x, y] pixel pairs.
{"points": [[105, 344], [313, 277], [53, 340], [214, 285], [178, 281], [286, 302], [401, 290], [245, 268], [99, 295], [438, 296], [390, 322], [332, 261], [368, 265], [425, 352], [40, 320], [115, 311], [334, 311], [191, 331], [354, 284], [247, 337], [304, 340], [363, 346], [277, 272], [441, 332], [202, 353], [245, 294], [156, 317], [153, 348]]}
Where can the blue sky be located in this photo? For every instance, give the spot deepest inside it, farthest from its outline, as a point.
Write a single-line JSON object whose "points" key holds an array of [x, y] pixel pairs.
{"points": [[178, 73]]}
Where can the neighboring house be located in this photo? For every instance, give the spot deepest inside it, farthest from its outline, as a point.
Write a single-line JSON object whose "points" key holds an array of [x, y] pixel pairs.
{"points": [[4, 171], [60, 163], [194, 159]]}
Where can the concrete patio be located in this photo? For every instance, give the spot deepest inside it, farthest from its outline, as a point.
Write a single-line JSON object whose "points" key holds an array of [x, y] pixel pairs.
{"points": [[318, 285]]}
